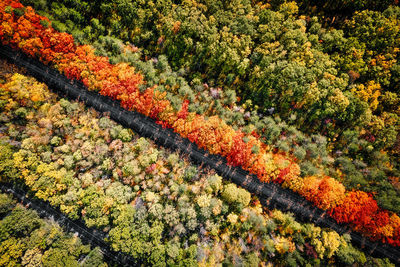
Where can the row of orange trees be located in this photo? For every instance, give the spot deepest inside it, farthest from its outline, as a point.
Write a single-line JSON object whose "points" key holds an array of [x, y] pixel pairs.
{"points": [[31, 33]]}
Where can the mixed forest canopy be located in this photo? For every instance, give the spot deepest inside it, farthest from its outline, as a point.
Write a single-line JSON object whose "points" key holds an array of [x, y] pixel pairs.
{"points": [[306, 87], [327, 94], [152, 204], [28, 240]]}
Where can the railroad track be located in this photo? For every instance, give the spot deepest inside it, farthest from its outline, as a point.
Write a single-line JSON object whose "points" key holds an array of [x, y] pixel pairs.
{"points": [[271, 195]]}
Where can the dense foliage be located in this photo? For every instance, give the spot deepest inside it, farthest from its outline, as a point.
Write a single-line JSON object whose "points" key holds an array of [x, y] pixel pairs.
{"points": [[153, 205], [278, 58], [246, 150], [340, 81], [28, 240]]}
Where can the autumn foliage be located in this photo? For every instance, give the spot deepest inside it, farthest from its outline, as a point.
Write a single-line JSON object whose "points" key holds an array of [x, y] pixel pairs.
{"points": [[31, 33], [361, 210], [325, 192]]}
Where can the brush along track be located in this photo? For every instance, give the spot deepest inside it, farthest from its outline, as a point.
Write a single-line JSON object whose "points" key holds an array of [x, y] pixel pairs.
{"points": [[270, 194], [88, 235]]}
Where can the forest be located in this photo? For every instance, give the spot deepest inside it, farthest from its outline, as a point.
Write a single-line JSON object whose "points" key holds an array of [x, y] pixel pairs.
{"points": [[302, 94], [28, 240]]}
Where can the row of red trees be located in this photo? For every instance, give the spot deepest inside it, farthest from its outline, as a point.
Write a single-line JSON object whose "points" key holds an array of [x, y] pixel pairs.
{"points": [[31, 33]]}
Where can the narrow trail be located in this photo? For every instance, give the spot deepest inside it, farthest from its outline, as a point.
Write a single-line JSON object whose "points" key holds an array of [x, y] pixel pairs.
{"points": [[88, 235], [270, 194]]}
